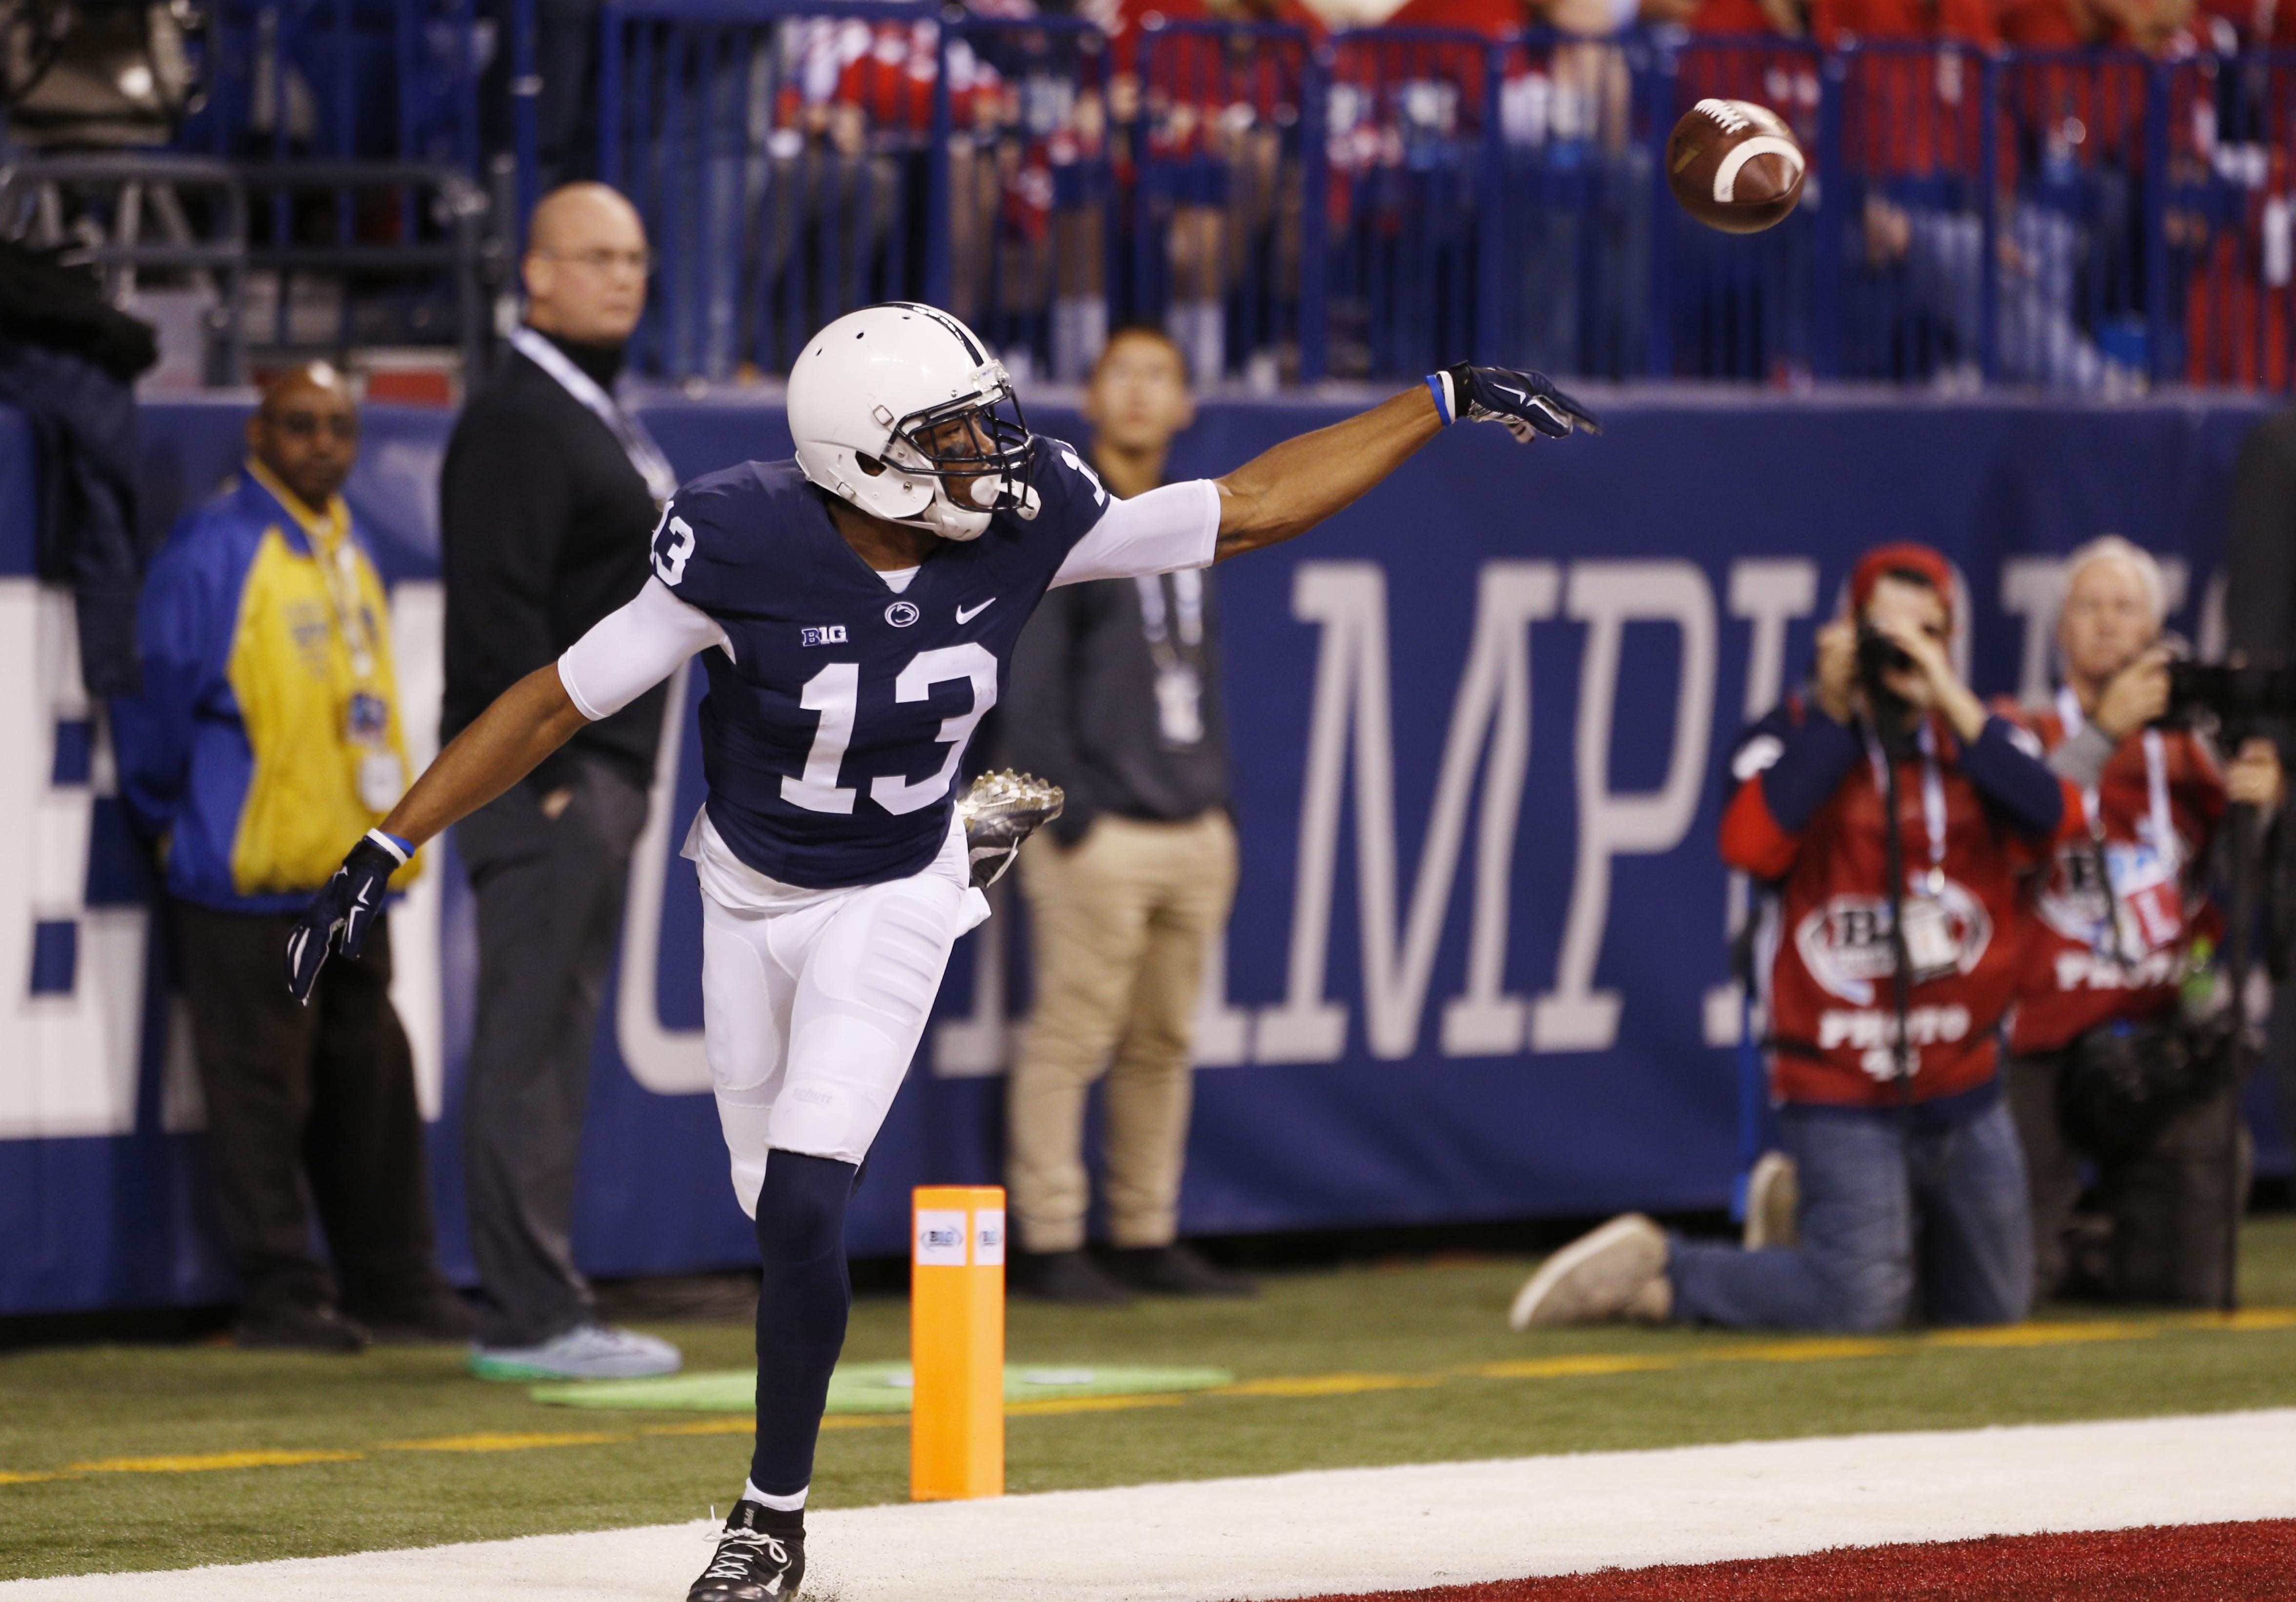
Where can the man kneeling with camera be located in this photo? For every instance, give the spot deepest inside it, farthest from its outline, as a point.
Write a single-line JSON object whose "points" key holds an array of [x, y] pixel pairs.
{"points": [[1893, 825], [2125, 1047]]}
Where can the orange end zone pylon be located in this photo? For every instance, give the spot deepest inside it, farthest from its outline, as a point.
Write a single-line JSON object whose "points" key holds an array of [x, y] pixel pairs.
{"points": [[956, 1343]]}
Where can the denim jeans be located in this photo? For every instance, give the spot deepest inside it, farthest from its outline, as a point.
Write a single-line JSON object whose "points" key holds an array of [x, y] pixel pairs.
{"points": [[1901, 1212]]}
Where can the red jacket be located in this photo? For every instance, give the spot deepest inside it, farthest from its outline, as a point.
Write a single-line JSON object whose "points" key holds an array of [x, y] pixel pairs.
{"points": [[1807, 819], [2074, 979]]}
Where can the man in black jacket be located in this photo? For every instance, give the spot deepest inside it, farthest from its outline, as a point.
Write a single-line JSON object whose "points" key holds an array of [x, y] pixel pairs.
{"points": [[2260, 628], [549, 495]]}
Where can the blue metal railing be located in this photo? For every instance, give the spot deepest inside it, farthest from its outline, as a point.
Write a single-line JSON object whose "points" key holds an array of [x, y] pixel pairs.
{"points": [[1372, 202], [340, 80], [357, 123]]}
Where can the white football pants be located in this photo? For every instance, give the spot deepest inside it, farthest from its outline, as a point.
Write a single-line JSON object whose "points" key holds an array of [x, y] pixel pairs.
{"points": [[812, 1013]]}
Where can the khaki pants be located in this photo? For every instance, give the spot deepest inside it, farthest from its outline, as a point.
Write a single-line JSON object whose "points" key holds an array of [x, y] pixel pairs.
{"points": [[1121, 922]]}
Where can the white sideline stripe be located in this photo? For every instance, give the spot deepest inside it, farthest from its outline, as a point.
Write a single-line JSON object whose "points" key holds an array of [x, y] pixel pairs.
{"points": [[1370, 1529]]}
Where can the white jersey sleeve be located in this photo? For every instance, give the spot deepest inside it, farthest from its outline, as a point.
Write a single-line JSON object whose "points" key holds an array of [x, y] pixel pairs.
{"points": [[627, 652], [1163, 531]]}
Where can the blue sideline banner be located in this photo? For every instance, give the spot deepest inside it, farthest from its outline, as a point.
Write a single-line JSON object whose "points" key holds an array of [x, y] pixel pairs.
{"points": [[1478, 966]]}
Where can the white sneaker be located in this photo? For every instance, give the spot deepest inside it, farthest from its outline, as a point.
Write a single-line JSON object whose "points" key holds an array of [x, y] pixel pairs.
{"points": [[1616, 1271], [586, 1351], [1773, 1204]]}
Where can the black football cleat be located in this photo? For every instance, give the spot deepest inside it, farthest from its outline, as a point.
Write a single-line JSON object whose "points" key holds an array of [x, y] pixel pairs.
{"points": [[760, 1558]]}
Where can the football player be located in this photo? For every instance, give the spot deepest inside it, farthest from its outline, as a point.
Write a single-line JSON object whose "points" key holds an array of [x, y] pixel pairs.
{"points": [[856, 610]]}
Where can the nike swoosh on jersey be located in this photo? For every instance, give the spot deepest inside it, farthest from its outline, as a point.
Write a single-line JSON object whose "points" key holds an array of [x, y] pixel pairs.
{"points": [[965, 616]]}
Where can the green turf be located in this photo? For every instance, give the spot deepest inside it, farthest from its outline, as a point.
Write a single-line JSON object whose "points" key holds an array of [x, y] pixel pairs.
{"points": [[62, 1407]]}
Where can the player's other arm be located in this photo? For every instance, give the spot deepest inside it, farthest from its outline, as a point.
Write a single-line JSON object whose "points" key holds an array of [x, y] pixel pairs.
{"points": [[1288, 490], [623, 656]]}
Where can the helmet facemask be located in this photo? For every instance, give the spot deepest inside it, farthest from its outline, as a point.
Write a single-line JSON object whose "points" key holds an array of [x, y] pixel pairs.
{"points": [[974, 451]]}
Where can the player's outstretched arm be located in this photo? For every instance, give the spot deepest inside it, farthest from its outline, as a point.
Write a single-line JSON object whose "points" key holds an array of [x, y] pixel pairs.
{"points": [[624, 655], [527, 722], [1288, 490]]}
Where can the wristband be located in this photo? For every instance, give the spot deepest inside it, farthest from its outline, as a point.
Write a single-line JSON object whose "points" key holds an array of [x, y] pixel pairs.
{"points": [[404, 849], [1439, 385]]}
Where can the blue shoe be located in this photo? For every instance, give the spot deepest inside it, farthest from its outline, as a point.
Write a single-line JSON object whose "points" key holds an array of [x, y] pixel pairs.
{"points": [[586, 1351]]}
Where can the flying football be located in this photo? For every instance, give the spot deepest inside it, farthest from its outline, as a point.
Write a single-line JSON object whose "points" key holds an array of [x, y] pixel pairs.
{"points": [[1734, 165]]}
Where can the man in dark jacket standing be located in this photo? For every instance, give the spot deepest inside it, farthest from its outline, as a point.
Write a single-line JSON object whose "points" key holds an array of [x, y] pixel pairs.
{"points": [[2260, 587], [548, 500], [1115, 696]]}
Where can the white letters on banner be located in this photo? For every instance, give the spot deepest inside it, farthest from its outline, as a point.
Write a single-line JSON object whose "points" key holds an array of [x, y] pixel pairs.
{"points": [[1606, 595], [71, 1026], [70, 1053], [1352, 697], [1769, 595]]}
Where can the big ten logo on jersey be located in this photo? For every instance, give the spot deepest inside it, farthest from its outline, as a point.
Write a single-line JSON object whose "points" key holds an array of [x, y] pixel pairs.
{"points": [[1846, 944], [828, 634], [673, 547]]}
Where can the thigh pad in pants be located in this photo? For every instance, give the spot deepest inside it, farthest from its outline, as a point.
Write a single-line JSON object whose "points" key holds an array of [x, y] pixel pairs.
{"points": [[812, 1016]]}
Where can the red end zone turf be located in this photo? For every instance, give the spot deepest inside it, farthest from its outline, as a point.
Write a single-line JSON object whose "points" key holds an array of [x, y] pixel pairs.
{"points": [[2178, 1563]]}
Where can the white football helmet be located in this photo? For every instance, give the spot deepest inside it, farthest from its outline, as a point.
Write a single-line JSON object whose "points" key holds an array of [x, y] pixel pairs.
{"points": [[871, 400]]}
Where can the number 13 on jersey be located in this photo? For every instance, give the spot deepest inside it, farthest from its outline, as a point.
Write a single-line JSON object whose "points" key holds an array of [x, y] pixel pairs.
{"points": [[835, 694]]}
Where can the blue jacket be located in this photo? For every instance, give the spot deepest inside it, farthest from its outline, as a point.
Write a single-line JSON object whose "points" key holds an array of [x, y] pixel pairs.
{"points": [[237, 755]]}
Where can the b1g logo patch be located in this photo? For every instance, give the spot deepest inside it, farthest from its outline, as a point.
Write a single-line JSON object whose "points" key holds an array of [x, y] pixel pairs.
{"points": [[831, 634], [1845, 944], [900, 615]]}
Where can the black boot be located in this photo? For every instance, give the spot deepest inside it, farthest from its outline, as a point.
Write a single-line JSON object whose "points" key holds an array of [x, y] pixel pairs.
{"points": [[1070, 1277], [1177, 1270], [297, 1327]]}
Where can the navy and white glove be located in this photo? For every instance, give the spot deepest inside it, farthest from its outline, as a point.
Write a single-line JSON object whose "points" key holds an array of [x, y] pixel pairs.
{"points": [[1528, 403], [345, 909]]}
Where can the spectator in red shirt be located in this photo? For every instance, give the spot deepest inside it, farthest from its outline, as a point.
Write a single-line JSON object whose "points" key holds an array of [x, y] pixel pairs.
{"points": [[1882, 1027], [2110, 949], [1216, 111]]}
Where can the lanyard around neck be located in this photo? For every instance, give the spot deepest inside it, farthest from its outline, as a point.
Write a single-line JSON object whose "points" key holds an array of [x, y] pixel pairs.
{"points": [[2156, 777], [645, 457], [1188, 596], [1933, 800]]}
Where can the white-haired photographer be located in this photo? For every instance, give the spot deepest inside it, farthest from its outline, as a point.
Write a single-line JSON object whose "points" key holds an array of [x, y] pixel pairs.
{"points": [[2124, 1048]]}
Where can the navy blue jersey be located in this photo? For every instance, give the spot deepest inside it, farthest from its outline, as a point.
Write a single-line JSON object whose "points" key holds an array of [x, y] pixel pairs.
{"points": [[832, 738]]}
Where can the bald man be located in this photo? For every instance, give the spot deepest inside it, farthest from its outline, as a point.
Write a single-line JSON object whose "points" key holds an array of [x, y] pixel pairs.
{"points": [[267, 725], [547, 502]]}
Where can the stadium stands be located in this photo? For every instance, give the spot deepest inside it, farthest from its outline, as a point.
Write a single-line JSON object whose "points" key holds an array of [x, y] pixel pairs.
{"points": [[1294, 204]]}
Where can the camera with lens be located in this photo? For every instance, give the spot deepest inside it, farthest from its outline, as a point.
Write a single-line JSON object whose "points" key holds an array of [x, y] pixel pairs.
{"points": [[2232, 697], [1878, 654]]}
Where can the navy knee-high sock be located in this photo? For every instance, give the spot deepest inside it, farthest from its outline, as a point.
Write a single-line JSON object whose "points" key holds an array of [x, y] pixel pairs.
{"points": [[801, 1311]]}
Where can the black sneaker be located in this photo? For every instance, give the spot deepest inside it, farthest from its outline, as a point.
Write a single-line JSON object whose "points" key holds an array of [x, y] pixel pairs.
{"points": [[1070, 1277], [297, 1326], [760, 1558], [1176, 1271]]}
